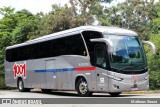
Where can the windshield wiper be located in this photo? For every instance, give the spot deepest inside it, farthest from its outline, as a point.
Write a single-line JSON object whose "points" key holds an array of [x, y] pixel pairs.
{"points": [[132, 65], [123, 68]]}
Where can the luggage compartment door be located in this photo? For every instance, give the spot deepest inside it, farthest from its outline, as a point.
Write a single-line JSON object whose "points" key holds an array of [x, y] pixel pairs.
{"points": [[51, 74]]}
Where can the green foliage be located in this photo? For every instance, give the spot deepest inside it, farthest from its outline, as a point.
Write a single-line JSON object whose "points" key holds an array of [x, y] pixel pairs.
{"points": [[154, 61], [81, 12], [136, 15], [2, 85], [154, 67], [6, 11], [154, 82], [26, 23], [14, 28]]}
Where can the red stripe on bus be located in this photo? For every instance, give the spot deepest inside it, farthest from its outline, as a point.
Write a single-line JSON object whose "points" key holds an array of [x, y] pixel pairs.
{"points": [[85, 69]]}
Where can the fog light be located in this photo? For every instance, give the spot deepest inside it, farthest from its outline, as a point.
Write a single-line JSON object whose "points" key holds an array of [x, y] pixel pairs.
{"points": [[115, 86]]}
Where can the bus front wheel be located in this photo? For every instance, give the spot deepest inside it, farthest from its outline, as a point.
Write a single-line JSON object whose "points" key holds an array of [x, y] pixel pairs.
{"points": [[82, 88], [115, 94], [20, 86]]}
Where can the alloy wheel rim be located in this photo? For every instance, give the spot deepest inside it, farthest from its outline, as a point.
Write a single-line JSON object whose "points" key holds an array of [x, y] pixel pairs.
{"points": [[83, 87], [20, 85]]}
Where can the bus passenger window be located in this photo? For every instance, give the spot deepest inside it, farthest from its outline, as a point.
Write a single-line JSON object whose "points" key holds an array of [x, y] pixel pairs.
{"points": [[100, 56]]}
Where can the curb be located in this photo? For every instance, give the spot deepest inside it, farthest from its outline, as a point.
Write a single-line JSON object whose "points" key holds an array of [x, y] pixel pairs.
{"points": [[143, 92]]}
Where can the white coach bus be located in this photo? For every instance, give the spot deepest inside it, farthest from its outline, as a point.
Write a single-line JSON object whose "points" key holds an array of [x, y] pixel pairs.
{"points": [[87, 59]]}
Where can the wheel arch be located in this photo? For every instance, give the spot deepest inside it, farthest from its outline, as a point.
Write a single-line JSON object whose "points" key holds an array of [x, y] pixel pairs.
{"points": [[78, 78], [18, 80]]}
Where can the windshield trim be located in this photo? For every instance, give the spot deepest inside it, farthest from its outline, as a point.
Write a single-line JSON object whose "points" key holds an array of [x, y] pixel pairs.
{"points": [[143, 63]]}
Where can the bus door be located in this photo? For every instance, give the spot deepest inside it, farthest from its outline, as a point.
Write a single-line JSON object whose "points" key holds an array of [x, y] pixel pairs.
{"points": [[51, 74], [101, 63]]}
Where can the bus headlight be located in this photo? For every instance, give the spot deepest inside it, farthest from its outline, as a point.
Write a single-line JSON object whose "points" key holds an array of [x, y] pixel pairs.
{"points": [[147, 77], [113, 77], [116, 78]]}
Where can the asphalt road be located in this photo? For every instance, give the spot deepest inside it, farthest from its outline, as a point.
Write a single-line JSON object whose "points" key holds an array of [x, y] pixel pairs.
{"points": [[70, 94], [36, 93]]}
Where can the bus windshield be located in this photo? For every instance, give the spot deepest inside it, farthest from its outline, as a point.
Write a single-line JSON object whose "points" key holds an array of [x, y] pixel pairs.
{"points": [[127, 51]]}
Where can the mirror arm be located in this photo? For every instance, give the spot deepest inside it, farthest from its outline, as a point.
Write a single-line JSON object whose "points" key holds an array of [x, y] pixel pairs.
{"points": [[107, 41], [150, 44]]}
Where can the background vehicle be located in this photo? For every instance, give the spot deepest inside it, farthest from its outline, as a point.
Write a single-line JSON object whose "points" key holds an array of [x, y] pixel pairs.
{"points": [[86, 59]]}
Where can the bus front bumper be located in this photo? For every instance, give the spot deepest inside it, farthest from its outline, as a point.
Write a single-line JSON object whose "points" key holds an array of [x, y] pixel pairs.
{"points": [[121, 86]]}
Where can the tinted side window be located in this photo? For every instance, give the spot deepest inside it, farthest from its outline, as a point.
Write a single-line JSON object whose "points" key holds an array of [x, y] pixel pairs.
{"points": [[91, 45], [75, 45], [9, 55], [59, 47], [71, 45], [14, 54], [32, 51], [91, 35], [44, 49], [21, 53]]}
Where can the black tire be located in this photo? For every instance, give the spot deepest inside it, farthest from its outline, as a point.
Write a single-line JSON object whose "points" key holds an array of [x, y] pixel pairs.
{"points": [[115, 94], [46, 90], [21, 87], [82, 83]]}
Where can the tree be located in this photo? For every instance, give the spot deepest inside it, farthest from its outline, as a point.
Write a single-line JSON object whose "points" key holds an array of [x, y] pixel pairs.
{"points": [[7, 24], [136, 15], [90, 11], [15, 27], [7, 11], [60, 18], [154, 60], [81, 12], [26, 24]]}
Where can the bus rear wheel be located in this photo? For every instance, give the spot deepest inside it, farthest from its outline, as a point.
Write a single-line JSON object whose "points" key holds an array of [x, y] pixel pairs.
{"points": [[115, 94], [20, 86], [82, 88]]}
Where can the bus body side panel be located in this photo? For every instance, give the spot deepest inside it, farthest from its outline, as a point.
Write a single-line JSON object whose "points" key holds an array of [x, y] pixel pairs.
{"points": [[40, 75], [81, 65], [67, 73], [61, 72], [9, 75], [102, 80], [51, 75], [11, 79], [46, 73], [93, 84], [30, 80], [64, 73]]}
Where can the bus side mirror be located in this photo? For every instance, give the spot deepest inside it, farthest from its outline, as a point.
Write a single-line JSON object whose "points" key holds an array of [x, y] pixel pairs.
{"points": [[151, 44], [107, 41]]}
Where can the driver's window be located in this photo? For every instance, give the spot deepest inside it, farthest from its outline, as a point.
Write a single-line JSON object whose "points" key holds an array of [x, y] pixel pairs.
{"points": [[100, 55]]}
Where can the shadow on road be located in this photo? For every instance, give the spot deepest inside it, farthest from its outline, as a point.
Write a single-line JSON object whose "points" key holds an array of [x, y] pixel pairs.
{"points": [[74, 94]]}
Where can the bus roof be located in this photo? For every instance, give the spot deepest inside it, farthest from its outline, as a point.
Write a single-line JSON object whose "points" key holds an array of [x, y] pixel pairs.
{"points": [[103, 29]]}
